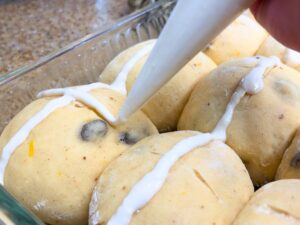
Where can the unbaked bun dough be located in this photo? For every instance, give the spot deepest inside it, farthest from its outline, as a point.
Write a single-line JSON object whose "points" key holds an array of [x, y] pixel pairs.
{"points": [[276, 203], [241, 38], [165, 106], [288, 56], [209, 184], [55, 169], [262, 125]]}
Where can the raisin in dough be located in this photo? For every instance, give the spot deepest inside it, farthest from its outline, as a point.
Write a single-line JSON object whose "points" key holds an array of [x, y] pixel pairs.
{"points": [[209, 184], [241, 38], [262, 125], [290, 163], [55, 169], [288, 56], [166, 106], [276, 203]]}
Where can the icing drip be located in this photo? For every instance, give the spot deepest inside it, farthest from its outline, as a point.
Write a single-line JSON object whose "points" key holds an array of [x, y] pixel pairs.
{"points": [[120, 82], [70, 94], [84, 97], [91, 101], [83, 88], [253, 82], [143, 191], [220, 130], [22, 134]]}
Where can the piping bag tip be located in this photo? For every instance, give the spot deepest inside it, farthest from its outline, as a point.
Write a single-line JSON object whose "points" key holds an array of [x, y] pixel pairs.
{"points": [[118, 121], [174, 49]]}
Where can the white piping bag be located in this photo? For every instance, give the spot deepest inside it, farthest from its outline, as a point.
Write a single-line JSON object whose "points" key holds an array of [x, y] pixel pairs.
{"points": [[190, 28]]}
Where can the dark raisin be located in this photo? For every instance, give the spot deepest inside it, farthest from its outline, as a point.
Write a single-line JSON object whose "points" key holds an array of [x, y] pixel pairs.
{"points": [[134, 135], [295, 162], [128, 139], [91, 131]]}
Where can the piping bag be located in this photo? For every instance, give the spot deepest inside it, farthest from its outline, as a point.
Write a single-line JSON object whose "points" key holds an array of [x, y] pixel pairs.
{"points": [[190, 28]]}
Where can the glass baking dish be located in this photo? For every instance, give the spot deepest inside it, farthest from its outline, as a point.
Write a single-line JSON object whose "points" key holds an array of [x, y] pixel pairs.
{"points": [[78, 63]]}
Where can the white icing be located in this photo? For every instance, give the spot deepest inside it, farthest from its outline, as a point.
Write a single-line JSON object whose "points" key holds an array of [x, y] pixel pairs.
{"points": [[83, 88], [91, 101], [23, 133], [84, 97], [143, 191], [253, 82], [220, 130], [120, 82], [292, 58], [70, 94]]}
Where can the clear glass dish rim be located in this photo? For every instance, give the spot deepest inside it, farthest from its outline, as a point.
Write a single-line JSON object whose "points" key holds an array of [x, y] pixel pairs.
{"points": [[106, 29]]}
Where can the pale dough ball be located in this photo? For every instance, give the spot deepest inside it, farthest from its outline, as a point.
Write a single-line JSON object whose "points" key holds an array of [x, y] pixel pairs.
{"points": [[112, 70], [166, 105], [55, 169], [262, 125], [209, 184], [271, 47], [241, 38], [277, 203], [290, 163]]}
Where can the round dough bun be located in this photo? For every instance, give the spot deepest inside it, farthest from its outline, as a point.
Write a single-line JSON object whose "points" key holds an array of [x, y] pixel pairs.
{"points": [[241, 38], [271, 47], [290, 163], [262, 125], [277, 203], [209, 184], [54, 171], [166, 105]]}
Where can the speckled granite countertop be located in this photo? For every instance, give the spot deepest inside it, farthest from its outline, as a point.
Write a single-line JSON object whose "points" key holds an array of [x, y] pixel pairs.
{"points": [[30, 29]]}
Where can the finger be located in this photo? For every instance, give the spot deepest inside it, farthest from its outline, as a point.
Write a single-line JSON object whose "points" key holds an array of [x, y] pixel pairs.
{"points": [[281, 19]]}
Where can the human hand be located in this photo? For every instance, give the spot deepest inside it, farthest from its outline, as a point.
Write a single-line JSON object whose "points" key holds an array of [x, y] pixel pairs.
{"points": [[281, 19]]}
